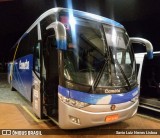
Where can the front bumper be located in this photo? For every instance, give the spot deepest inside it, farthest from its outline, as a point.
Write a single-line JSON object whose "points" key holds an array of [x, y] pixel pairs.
{"points": [[74, 118]]}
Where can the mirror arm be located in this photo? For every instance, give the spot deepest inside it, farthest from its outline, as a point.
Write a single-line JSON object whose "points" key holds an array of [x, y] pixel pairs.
{"points": [[60, 32], [145, 42]]}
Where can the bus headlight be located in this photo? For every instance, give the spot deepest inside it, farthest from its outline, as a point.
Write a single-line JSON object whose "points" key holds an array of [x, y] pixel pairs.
{"points": [[72, 102]]}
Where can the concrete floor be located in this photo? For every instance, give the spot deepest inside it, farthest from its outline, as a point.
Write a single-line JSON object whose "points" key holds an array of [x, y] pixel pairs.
{"points": [[16, 113]]}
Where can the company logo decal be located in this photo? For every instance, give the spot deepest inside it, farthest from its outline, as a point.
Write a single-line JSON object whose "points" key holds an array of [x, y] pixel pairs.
{"points": [[112, 91], [24, 65]]}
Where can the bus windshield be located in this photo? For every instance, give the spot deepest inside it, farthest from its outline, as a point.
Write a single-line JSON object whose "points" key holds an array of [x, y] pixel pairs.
{"points": [[122, 58], [85, 56]]}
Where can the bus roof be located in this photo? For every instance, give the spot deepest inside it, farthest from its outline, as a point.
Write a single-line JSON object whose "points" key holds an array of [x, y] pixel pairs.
{"points": [[97, 18], [82, 14], [86, 15]]}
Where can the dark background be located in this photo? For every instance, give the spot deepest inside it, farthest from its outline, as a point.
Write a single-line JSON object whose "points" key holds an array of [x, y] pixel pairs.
{"points": [[141, 18]]}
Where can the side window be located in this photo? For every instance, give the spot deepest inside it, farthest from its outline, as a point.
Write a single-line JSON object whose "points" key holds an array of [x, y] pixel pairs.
{"points": [[27, 44], [23, 47]]}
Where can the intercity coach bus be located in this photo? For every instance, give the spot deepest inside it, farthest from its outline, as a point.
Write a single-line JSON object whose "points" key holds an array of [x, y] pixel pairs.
{"points": [[77, 68]]}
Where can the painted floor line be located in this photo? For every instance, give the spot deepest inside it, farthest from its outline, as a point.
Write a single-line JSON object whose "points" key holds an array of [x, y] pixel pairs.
{"points": [[33, 116], [148, 117], [54, 121]]}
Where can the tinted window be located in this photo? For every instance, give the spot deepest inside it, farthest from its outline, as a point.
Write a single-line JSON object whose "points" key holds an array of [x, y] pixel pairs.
{"points": [[44, 23], [26, 45]]}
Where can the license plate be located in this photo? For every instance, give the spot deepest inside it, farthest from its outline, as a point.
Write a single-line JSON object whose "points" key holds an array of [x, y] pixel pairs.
{"points": [[111, 118]]}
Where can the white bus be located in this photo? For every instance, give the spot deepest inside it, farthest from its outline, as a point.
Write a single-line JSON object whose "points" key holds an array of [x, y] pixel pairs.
{"points": [[77, 68]]}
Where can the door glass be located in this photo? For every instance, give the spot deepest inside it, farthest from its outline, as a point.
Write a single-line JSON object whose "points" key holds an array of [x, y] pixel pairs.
{"points": [[37, 59]]}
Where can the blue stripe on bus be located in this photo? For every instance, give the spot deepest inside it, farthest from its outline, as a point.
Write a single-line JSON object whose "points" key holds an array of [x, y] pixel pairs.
{"points": [[150, 54], [98, 98], [61, 44]]}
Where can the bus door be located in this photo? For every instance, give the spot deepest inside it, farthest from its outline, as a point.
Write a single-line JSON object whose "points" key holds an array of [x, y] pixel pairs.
{"points": [[36, 95], [52, 78]]}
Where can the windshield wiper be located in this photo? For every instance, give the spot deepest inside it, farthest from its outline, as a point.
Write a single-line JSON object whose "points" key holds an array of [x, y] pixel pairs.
{"points": [[121, 70], [99, 75], [124, 75]]}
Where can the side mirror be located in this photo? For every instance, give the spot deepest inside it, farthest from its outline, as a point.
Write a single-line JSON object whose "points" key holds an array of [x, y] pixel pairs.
{"points": [[144, 42], [60, 32]]}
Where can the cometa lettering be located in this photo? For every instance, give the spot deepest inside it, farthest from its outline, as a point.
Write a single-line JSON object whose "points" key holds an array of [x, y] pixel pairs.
{"points": [[112, 91], [24, 65]]}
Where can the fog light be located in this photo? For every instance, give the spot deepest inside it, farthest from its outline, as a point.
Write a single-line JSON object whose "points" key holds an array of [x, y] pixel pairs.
{"points": [[113, 107], [74, 119]]}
